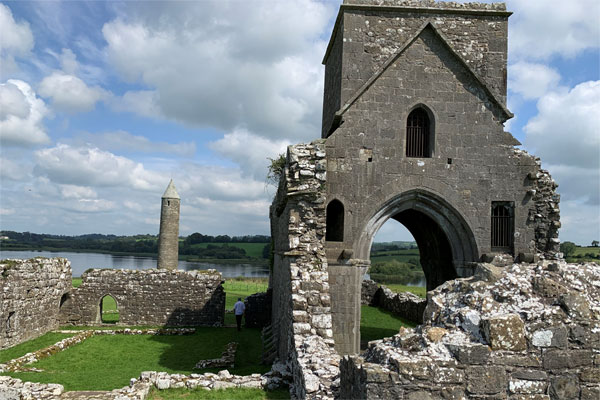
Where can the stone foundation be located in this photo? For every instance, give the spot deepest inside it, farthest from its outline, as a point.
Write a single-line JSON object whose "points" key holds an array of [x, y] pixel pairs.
{"points": [[30, 297], [150, 297]]}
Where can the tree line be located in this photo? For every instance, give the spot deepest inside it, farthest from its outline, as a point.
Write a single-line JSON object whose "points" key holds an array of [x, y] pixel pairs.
{"points": [[220, 247]]}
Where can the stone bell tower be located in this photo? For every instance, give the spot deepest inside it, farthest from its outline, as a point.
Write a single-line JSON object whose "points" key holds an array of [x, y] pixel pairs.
{"points": [[168, 237]]}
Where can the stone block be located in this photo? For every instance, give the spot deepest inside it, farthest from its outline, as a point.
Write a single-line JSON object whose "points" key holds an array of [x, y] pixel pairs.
{"points": [[564, 387], [506, 332], [487, 380]]}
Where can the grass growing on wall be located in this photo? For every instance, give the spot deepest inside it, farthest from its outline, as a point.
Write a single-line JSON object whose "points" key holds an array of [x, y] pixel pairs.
{"points": [[109, 362], [221, 394], [32, 345]]}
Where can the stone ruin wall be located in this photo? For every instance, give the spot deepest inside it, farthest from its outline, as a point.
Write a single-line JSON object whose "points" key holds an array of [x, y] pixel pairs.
{"points": [[405, 305], [455, 355], [301, 301], [527, 331], [30, 297], [149, 297]]}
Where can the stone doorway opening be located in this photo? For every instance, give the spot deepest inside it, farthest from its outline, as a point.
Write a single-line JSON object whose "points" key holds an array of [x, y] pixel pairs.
{"points": [[445, 241], [395, 258], [109, 311]]}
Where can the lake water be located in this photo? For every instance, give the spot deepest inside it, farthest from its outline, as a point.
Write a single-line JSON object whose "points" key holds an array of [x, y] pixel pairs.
{"points": [[82, 261]]}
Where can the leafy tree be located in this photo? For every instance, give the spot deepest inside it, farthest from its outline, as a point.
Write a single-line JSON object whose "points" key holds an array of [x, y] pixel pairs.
{"points": [[595, 243], [568, 248]]}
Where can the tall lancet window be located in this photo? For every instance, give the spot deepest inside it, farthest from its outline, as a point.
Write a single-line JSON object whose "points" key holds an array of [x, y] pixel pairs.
{"points": [[418, 134]]}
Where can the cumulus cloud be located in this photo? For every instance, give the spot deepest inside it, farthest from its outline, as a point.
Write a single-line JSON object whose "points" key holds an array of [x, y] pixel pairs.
{"points": [[90, 166], [69, 93], [17, 40], [532, 80], [21, 115], [542, 28], [141, 102], [12, 170], [566, 135], [566, 129], [250, 151], [125, 141], [77, 192], [236, 65]]}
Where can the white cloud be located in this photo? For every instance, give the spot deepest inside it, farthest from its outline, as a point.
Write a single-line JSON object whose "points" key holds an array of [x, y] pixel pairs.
{"points": [[12, 170], [250, 152], [532, 80], [68, 61], [580, 222], [142, 102], [77, 192], [125, 141], [542, 28], [69, 93], [16, 40], [90, 166], [21, 115], [566, 130], [253, 66]]}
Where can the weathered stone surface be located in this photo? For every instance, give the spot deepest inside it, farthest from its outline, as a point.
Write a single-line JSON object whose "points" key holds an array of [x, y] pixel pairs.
{"points": [[149, 297], [31, 294], [486, 380], [564, 387], [505, 332]]}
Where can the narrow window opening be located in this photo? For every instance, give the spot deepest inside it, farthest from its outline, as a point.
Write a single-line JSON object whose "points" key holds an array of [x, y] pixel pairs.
{"points": [[418, 134], [335, 222], [502, 226], [65, 297], [9, 320], [109, 312], [168, 203]]}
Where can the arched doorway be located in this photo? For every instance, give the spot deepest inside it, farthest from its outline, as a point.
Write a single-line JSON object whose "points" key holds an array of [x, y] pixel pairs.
{"points": [[109, 311], [445, 240]]}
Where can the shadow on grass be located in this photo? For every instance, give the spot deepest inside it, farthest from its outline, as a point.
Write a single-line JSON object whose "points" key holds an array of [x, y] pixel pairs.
{"points": [[377, 324], [183, 352]]}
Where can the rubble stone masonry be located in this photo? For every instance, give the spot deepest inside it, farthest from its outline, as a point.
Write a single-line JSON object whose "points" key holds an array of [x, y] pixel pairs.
{"points": [[30, 296]]}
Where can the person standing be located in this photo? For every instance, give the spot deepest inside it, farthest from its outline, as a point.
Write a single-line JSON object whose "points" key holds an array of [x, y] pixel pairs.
{"points": [[238, 310]]}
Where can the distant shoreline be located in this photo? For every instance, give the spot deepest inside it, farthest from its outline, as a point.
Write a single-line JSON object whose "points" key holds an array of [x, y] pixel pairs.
{"points": [[184, 257]]}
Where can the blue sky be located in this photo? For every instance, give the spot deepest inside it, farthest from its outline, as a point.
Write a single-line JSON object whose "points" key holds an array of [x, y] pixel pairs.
{"points": [[101, 103]]}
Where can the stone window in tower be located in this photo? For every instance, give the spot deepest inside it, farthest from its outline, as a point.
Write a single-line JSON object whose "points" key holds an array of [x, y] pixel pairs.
{"points": [[334, 229], [419, 137], [502, 226]]}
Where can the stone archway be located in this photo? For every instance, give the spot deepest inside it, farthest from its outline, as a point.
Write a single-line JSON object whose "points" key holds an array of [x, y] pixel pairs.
{"points": [[446, 242]]}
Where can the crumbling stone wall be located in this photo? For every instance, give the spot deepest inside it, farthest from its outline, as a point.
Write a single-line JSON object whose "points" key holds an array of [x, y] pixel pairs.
{"points": [[405, 305], [528, 331], [258, 309], [301, 300], [150, 297], [30, 297]]}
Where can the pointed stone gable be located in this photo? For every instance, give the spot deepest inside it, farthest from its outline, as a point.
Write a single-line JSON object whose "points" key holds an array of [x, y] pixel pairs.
{"points": [[430, 43]]}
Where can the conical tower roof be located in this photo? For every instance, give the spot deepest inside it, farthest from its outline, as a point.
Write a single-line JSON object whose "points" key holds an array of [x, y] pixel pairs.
{"points": [[171, 192]]}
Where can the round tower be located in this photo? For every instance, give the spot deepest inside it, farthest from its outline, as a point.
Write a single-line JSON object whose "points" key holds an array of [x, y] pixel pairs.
{"points": [[168, 237]]}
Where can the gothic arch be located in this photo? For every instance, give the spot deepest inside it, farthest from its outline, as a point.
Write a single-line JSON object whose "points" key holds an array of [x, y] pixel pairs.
{"points": [[445, 240]]}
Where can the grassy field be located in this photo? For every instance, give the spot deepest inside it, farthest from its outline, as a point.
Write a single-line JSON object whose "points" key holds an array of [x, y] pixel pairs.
{"points": [[377, 324], [108, 362], [31, 345], [251, 249], [585, 254], [226, 394], [400, 255], [419, 291]]}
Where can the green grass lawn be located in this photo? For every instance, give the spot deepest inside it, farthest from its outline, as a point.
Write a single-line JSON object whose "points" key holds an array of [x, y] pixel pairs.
{"points": [[235, 288], [32, 345], [376, 324], [226, 394], [108, 362], [110, 312], [76, 282]]}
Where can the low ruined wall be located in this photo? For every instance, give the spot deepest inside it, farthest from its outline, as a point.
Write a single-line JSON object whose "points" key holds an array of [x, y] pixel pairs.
{"points": [[258, 309], [528, 331], [30, 297], [150, 297], [405, 305]]}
